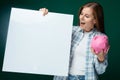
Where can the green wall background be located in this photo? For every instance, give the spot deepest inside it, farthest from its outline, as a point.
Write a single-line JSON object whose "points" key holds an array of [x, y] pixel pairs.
{"points": [[112, 27]]}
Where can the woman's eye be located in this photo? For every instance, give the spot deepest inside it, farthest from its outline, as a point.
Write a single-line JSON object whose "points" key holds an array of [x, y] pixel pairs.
{"points": [[87, 16], [81, 13]]}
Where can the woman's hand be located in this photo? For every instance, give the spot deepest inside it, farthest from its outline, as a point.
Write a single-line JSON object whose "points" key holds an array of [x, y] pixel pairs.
{"points": [[101, 55], [44, 10]]}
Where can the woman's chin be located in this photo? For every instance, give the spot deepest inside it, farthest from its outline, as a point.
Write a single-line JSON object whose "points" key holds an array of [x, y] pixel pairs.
{"points": [[81, 26]]}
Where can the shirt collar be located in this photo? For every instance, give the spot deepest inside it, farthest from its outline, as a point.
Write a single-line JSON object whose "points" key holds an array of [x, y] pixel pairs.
{"points": [[81, 30]]}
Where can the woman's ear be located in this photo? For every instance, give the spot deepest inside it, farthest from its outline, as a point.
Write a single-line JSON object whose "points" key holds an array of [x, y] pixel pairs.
{"points": [[95, 21]]}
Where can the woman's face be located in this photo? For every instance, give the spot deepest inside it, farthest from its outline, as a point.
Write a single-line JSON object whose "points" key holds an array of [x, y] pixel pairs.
{"points": [[87, 20]]}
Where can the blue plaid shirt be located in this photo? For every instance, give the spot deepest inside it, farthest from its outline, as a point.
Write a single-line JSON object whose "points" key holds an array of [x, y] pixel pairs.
{"points": [[93, 66]]}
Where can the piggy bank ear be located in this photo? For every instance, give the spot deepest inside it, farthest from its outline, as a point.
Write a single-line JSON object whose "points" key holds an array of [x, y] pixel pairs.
{"points": [[106, 37], [95, 37]]}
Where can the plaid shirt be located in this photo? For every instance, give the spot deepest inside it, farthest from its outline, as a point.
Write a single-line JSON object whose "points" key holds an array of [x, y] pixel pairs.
{"points": [[93, 66]]}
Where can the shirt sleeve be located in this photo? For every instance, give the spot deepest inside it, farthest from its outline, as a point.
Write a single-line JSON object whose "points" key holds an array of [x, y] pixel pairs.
{"points": [[100, 66], [74, 29], [60, 78]]}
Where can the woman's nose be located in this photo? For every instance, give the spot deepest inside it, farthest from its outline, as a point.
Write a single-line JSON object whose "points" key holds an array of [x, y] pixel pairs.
{"points": [[81, 17]]}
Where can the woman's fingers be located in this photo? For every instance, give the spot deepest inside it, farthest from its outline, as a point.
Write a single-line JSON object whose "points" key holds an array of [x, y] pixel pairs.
{"points": [[107, 49], [44, 10], [92, 50]]}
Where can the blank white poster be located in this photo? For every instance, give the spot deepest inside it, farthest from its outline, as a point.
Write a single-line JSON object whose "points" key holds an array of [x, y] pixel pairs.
{"points": [[38, 44]]}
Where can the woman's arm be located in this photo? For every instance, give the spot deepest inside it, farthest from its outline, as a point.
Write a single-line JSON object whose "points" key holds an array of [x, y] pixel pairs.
{"points": [[100, 61]]}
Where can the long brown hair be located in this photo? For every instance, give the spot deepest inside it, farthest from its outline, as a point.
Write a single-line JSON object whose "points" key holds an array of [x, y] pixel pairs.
{"points": [[98, 15]]}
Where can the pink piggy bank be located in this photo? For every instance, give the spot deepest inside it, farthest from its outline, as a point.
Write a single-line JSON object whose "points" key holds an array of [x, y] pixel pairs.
{"points": [[99, 43]]}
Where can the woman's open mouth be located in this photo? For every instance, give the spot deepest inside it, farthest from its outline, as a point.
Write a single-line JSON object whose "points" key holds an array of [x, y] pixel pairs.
{"points": [[82, 23]]}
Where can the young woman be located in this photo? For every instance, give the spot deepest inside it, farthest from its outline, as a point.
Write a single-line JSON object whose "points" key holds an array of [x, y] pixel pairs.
{"points": [[84, 63]]}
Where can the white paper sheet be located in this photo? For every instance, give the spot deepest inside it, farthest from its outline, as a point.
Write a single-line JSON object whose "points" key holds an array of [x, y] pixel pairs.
{"points": [[38, 44]]}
